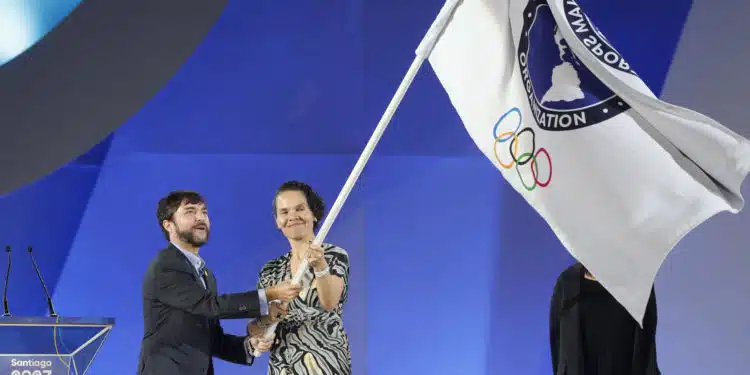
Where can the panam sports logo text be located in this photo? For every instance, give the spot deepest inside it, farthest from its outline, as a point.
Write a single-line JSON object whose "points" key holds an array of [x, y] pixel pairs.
{"points": [[563, 94]]}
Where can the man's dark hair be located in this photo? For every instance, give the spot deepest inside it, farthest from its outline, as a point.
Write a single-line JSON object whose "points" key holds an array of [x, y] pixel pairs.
{"points": [[168, 205], [314, 201]]}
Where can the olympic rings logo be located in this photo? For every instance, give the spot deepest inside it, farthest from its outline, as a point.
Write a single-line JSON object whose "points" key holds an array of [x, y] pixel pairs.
{"points": [[530, 158]]}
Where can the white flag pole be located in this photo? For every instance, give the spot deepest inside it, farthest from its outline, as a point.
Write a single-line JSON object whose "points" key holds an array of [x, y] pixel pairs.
{"points": [[422, 53]]}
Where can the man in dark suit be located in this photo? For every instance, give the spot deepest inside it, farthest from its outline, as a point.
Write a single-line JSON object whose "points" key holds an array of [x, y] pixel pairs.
{"points": [[181, 306]]}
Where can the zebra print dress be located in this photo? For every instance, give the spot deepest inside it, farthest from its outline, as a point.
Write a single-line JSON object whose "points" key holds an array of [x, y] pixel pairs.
{"points": [[309, 340]]}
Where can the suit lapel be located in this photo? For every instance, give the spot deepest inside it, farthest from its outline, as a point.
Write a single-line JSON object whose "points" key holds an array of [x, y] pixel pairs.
{"points": [[211, 281], [182, 259]]}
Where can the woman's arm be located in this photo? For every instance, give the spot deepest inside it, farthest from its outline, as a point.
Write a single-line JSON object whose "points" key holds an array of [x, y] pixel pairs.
{"points": [[331, 268], [329, 290]]}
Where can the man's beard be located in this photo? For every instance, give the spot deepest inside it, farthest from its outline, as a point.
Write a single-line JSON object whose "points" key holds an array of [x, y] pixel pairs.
{"points": [[189, 238]]}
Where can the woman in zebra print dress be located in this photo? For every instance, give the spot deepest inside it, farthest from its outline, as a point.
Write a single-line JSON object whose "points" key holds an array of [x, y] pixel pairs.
{"points": [[310, 339]]}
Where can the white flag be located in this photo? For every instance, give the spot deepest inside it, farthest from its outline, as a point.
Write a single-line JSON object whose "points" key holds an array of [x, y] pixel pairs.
{"points": [[618, 175]]}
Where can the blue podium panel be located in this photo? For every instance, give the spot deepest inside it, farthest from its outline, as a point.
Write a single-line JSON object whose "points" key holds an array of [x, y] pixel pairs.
{"points": [[50, 346]]}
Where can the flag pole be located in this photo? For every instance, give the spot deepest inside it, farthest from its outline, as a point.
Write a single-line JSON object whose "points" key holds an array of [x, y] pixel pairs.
{"points": [[422, 53]]}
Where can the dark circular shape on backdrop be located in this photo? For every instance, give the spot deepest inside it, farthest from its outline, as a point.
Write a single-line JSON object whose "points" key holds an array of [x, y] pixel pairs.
{"points": [[88, 75]]}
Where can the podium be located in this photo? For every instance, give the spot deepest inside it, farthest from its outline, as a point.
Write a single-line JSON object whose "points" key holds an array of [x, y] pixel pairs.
{"points": [[50, 346]]}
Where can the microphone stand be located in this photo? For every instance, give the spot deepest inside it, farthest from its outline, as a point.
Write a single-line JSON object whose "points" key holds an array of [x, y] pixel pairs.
{"points": [[52, 312], [6, 310]]}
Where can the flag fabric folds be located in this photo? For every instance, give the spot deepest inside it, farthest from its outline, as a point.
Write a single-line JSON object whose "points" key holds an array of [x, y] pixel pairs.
{"points": [[619, 175]]}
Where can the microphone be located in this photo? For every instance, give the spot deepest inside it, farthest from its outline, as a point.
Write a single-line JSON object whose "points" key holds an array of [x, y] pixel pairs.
{"points": [[6, 310], [39, 274]]}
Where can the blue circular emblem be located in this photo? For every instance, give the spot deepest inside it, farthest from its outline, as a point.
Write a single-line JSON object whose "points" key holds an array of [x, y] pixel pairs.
{"points": [[563, 94]]}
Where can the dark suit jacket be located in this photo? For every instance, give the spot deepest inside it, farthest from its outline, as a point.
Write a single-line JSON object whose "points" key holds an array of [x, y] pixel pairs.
{"points": [[181, 319], [566, 344]]}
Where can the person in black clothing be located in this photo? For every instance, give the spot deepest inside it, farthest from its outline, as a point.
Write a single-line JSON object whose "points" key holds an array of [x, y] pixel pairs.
{"points": [[592, 334]]}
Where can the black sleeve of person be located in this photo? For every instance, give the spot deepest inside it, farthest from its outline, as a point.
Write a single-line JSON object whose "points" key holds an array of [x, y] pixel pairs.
{"points": [[554, 325], [230, 348], [180, 289]]}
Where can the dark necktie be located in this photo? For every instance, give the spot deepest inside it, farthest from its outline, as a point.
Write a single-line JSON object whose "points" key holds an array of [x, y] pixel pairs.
{"points": [[203, 271]]}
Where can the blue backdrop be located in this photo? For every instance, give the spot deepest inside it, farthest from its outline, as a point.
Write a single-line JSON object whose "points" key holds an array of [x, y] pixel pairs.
{"points": [[451, 269]]}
